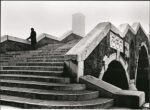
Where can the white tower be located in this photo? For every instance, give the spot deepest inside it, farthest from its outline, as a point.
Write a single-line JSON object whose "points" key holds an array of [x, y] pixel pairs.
{"points": [[78, 24]]}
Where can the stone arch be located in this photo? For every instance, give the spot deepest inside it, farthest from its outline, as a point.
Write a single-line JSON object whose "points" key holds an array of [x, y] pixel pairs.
{"points": [[119, 62], [142, 77], [116, 75]]}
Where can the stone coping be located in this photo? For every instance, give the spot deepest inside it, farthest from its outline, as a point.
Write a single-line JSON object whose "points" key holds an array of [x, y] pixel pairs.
{"points": [[86, 45], [7, 37], [99, 84], [40, 37], [43, 35], [124, 29], [66, 34]]}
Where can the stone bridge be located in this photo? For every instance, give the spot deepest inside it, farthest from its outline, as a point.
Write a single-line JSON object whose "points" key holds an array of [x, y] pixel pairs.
{"points": [[119, 56]]}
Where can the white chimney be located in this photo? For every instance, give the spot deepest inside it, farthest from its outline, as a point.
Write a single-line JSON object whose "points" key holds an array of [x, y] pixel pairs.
{"points": [[78, 24]]}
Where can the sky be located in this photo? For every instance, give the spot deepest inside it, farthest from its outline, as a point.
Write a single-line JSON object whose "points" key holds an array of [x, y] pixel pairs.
{"points": [[55, 17]]}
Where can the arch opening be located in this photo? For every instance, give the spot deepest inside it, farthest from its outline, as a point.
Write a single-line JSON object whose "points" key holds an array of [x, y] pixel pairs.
{"points": [[142, 78], [116, 75]]}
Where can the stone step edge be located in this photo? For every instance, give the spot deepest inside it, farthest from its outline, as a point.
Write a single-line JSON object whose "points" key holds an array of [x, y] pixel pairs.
{"points": [[39, 84], [32, 66], [33, 72], [55, 79], [33, 76], [39, 63], [30, 71], [49, 95], [121, 97], [56, 104]]}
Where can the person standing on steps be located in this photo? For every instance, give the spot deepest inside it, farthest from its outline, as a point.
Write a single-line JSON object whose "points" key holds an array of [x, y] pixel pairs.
{"points": [[33, 38]]}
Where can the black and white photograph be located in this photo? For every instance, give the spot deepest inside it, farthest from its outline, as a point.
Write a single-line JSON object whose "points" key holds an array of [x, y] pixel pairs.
{"points": [[75, 55]]}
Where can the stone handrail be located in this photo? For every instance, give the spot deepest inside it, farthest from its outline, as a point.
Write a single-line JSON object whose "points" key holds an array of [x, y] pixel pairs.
{"points": [[86, 45], [43, 35], [124, 29], [75, 57], [65, 35], [40, 37], [7, 37], [99, 29]]}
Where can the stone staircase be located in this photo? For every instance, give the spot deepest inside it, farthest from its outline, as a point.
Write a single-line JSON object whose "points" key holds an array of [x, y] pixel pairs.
{"points": [[35, 79]]}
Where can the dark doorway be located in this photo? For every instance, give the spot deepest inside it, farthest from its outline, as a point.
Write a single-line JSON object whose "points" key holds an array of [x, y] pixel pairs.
{"points": [[142, 79], [116, 75]]}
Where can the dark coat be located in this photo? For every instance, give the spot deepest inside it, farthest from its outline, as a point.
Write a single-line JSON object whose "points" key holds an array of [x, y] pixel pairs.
{"points": [[33, 38]]}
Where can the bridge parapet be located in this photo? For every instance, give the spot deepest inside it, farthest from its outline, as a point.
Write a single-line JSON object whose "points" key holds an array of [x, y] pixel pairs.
{"points": [[83, 59], [83, 49]]}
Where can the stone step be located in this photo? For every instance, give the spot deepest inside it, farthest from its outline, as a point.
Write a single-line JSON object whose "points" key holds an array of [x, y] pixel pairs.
{"points": [[52, 79], [5, 55], [49, 95], [3, 61], [45, 60], [5, 58], [27, 103], [31, 72], [32, 53], [4, 64], [41, 64], [46, 54], [23, 52], [42, 68], [41, 85], [51, 52], [44, 57]]}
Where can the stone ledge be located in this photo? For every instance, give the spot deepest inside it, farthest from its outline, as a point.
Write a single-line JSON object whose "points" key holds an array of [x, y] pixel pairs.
{"points": [[135, 26], [124, 29], [105, 89], [43, 35], [133, 99], [93, 38], [86, 45], [66, 34], [125, 98], [11, 38]]}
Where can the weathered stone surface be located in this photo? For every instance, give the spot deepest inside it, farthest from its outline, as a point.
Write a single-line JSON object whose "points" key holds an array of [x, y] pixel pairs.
{"points": [[128, 98], [70, 69], [13, 46], [105, 89], [71, 37], [46, 41], [53, 40], [92, 56], [88, 43], [94, 62], [125, 98]]}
